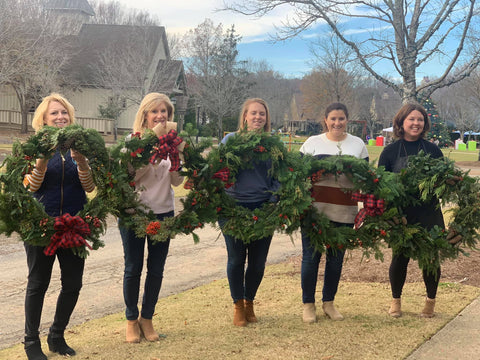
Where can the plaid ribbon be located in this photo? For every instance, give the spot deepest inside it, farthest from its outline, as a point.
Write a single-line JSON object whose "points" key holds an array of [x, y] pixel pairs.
{"points": [[71, 231], [223, 175], [167, 146], [371, 207]]}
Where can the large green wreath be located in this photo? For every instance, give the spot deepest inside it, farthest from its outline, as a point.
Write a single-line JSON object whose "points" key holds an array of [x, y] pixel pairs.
{"points": [[374, 187], [423, 179], [20, 212]]}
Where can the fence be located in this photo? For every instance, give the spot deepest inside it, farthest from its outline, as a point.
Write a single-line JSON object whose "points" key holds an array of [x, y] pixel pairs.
{"points": [[12, 120]]}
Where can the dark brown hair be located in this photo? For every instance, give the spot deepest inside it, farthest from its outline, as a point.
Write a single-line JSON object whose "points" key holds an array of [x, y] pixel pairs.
{"points": [[332, 107], [403, 113]]}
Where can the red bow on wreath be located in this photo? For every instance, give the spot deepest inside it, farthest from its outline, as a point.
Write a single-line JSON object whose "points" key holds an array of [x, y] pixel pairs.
{"points": [[371, 207], [223, 175], [167, 146], [71, 231]]}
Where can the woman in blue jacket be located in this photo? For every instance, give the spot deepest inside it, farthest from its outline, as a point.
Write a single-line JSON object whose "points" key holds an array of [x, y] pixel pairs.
{"points": [[59, 184]]}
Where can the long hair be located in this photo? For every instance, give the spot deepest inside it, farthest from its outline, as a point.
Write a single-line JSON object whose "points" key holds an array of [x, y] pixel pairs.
{"points": [[241, 119], [402, 114], [150, 102], [38, 120]]}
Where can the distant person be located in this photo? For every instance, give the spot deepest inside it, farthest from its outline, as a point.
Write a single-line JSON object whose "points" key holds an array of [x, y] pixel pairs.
{"points": [[59, 184], [410, 125], [253, 187], [154, 183], [335, 204]]}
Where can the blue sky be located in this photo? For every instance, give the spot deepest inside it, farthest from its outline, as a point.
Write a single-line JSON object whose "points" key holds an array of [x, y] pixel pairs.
{"points": [[289, 58], [292, 58]]}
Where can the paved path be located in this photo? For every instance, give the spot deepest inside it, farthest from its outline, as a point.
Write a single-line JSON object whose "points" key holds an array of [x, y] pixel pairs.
{"points": [[458, 340], [188, 265]]}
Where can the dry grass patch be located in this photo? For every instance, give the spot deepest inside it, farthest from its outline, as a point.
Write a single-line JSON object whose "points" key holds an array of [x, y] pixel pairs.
{"points": [[198, 324]]}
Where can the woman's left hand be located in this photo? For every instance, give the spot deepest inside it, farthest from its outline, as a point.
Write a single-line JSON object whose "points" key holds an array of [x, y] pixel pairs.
{"points": [[79, 159]]}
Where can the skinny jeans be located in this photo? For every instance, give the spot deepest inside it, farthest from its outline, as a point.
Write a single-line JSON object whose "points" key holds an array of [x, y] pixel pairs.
{"points": [[245, 283], [309, 270], [39, 274], [134, 251]]}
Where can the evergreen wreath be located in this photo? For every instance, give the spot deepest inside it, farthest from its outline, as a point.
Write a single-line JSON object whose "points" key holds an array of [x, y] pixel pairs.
{"points": [[20, 212], [423, 179], [130, 154], [208, 177], [374, 187]]}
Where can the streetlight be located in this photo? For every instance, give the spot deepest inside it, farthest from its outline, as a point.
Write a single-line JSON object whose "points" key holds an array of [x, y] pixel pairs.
{"points": [[198, 122]]}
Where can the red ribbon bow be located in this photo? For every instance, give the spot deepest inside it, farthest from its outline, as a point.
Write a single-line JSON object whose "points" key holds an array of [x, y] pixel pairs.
{"points": [[223, 175], [371, 207], [167, 146], [71, 231]]}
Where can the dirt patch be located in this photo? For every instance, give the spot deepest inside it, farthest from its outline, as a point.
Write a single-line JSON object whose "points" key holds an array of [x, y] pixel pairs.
{"points": [[463, 270]]}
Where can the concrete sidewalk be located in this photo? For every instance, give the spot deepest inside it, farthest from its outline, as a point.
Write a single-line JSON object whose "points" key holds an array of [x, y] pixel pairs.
{"points": [[458, 340]]}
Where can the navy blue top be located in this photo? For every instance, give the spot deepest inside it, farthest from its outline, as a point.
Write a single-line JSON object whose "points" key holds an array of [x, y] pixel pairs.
{"points": [[253, 185], [61, 191]]}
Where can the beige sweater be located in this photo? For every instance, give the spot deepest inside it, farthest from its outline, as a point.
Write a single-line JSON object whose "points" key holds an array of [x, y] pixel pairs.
{"points": [[154, 185]]}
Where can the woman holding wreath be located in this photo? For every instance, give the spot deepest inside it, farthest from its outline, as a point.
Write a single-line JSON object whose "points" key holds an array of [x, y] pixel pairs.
{"points": [[335, 204], [59, 184], [252, 188], [410, 125], [154, 183]]}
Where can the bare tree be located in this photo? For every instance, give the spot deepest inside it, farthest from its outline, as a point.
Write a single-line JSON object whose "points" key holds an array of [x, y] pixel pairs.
{"points": [[404, 34], [114, 13], [273, 87], [32, 55], [219, 78]]}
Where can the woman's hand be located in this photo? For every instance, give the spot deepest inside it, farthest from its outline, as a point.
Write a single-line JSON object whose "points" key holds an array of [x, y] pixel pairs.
{"points": [[80, 160]]}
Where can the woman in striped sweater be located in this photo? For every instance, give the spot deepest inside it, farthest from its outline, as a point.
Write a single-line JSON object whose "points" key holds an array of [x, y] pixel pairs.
{"points": [[335, 204], [59, 184]]}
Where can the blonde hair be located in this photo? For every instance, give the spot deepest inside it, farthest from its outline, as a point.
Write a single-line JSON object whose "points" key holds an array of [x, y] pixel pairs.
{"points": [[150, 102], [39, 117], [243, 113]]}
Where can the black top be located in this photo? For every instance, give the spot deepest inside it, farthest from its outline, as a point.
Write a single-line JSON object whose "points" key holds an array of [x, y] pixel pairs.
{"points": [[394, 157]]}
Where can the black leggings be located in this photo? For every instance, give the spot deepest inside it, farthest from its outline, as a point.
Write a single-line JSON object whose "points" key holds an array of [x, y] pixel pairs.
{"points": [[398, 275], [39, 274]]}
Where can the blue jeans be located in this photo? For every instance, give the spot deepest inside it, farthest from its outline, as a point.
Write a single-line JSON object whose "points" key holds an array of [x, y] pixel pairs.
{"points": [[309, 272], [244, 284], [133, 250], [39, 274]]}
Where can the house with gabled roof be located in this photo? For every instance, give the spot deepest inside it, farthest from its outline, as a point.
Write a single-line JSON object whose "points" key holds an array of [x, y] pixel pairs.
{"points": [[112, 64]]}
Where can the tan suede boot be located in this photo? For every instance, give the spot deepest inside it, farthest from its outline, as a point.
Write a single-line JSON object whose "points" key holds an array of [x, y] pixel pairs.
{"points": [[249, 313], [146, 326], [239, 313], [132, 333], [396, 308], [428, 310], [330, 311], [309, 313]]}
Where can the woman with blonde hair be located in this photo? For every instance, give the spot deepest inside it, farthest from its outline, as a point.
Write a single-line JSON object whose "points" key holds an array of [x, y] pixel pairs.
{"points": [[59, 184], [154, 184], [252, 188]]}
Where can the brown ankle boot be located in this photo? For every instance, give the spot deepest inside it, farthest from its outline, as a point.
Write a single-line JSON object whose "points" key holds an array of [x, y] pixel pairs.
{"points": [[146, 327], [132, 332], [249, 313], [428, 310], [330, 311], [395, 308], [239, 313]]}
